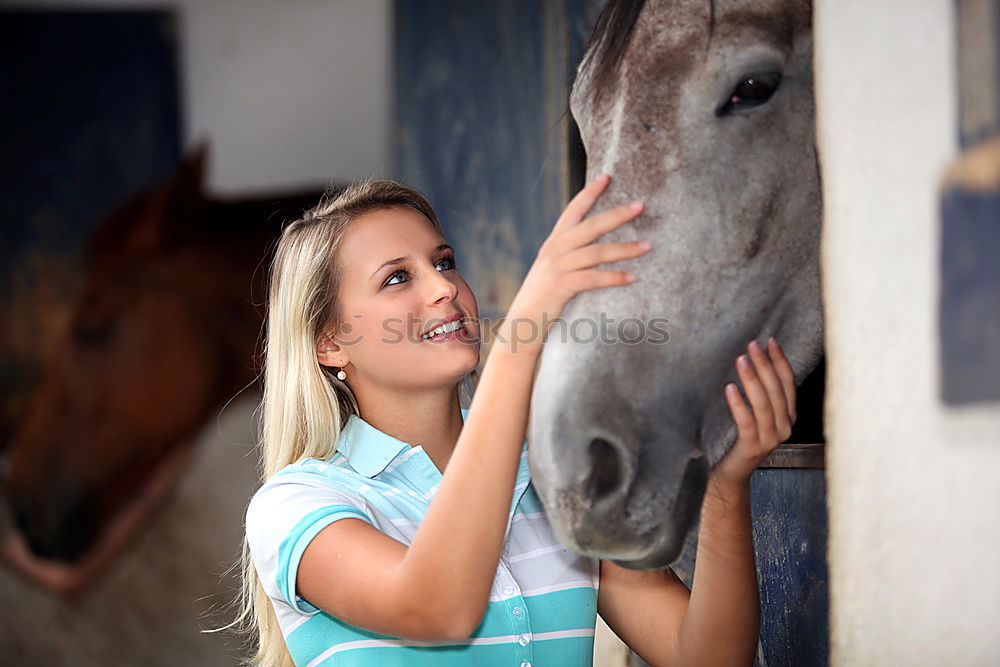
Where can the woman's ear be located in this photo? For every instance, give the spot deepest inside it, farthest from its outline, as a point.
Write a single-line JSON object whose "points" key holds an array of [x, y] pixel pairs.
{"points": [[328, 353]]}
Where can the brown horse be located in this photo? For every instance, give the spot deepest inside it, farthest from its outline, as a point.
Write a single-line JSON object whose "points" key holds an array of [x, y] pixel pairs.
{"points": [[163, 333]]}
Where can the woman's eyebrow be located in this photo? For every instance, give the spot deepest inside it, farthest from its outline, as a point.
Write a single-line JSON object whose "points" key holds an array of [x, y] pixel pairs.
{"points": [[400, 260]]}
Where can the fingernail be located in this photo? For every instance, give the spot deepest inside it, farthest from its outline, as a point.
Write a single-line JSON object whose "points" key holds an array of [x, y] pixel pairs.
{"points": [[635, 206], [743, 361], [603, 177], [630, 277], [754, 345], [644, 245]]}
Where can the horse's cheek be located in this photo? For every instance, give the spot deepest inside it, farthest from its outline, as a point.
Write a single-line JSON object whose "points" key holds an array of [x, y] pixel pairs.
{"points": [[163, 372]]}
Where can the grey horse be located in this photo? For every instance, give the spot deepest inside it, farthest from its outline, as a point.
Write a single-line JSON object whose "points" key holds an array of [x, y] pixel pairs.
{"points": [[703, 110]]}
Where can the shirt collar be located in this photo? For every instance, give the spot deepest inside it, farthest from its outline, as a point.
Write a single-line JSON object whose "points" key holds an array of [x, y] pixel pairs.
{"points": [[368, 449]]}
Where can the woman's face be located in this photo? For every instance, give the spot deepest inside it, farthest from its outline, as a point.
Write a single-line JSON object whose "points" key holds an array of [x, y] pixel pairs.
{"points": [[399, 280]]}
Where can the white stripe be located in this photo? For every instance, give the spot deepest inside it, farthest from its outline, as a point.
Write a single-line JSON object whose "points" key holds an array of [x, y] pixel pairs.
{"points": [[395, 464], [534, 552], [582, 583], [562, 634], [528, 516], [298, 619], [398, 643], [404, 523], [431, 491], [478, 641]]}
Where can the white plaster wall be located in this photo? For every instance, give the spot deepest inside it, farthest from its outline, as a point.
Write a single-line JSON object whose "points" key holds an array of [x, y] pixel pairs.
{"points": [[290, 93], [914, 487]]}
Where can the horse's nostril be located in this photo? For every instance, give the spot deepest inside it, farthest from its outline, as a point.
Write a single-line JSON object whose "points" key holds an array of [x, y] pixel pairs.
{"points": [[19, 514], [59, 530], [605, 471]]}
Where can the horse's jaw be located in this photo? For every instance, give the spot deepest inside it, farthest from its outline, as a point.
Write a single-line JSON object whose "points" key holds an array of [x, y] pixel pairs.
{"points": [[622, 436]]}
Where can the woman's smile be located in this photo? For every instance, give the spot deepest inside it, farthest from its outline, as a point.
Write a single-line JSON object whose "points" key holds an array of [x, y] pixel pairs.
{"points": [[451, 331], [451, 327]]}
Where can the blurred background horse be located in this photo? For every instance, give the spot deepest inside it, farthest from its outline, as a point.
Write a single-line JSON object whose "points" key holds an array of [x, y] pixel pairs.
{"points": [[162, 336], [163, 333]]}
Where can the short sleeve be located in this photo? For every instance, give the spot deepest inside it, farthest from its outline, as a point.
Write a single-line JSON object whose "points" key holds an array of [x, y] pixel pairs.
{"points": [[282, 518]]}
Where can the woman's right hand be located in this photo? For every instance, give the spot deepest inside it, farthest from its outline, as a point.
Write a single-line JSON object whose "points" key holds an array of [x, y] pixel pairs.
{"points": [[562, 267]]}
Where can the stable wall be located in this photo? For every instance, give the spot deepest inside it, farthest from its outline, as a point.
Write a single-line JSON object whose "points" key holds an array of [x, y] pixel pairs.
{"points": [[914, 486], [291, 94]]}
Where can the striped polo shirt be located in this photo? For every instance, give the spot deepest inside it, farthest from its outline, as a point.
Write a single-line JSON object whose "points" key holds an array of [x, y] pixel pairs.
{"points": [[543, 603]]}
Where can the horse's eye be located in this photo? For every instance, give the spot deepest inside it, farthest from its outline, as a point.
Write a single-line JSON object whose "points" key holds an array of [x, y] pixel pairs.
{"points": [[93, 332], [753, 90]]}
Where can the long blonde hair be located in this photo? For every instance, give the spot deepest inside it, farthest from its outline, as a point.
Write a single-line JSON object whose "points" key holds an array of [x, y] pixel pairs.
{"points": [[305, 406]]}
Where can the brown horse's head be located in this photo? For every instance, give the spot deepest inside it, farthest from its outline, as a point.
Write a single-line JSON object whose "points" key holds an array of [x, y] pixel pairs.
{"points": [[136, 373], [703, 110]]}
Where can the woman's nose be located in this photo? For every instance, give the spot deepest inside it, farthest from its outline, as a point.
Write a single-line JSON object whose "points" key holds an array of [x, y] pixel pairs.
{"points": [[444, 288]]}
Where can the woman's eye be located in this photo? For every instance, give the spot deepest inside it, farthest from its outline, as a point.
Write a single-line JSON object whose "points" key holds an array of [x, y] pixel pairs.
{"points": [[752, 91], [393, 275], [449, 263]]}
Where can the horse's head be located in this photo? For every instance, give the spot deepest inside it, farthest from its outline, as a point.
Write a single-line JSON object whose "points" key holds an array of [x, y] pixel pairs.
{"points": [[134, 371], [705, 112]]}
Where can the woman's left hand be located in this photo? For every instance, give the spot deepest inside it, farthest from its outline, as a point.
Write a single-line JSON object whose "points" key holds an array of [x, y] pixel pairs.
{"points": [[770, 386]]}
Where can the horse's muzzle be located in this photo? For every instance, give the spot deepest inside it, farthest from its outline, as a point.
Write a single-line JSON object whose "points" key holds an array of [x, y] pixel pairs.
{"points": [[608, 514]]}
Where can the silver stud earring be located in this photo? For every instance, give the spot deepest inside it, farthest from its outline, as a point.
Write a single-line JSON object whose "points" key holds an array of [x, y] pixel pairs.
{"points": [[341, 375]]}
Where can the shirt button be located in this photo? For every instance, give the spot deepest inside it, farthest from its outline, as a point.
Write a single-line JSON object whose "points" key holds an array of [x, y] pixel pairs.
{"points": [[523, 640], [517, 612], [508, 590], [525, 664]]}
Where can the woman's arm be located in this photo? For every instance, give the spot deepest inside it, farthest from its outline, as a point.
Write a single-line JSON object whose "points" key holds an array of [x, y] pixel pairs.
{"points": [[439, 585], [718, 622], [723, 618]]}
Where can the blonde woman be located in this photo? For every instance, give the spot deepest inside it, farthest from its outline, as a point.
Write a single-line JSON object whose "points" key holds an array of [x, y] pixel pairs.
{"points": [[395, 527]]}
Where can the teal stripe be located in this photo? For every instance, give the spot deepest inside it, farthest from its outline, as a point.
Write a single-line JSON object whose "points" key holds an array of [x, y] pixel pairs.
{"points": [[571, 609], [563, 610], [576, 651], [530, 503], [295, 543], [321, 632]]}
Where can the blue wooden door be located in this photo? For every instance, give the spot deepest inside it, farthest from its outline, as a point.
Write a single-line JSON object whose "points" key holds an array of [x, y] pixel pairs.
{"points": [[483, 128]]}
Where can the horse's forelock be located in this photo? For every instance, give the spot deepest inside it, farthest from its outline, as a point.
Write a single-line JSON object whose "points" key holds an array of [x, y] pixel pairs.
{"points": [[611, 34]]}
